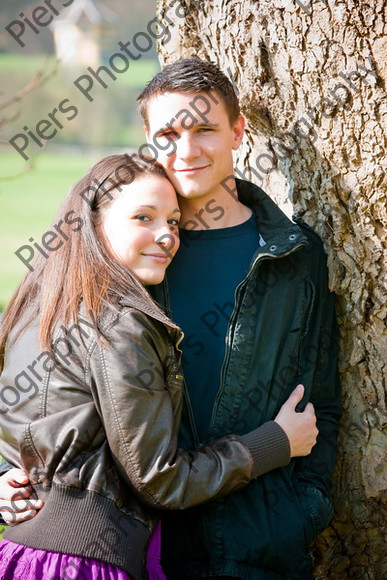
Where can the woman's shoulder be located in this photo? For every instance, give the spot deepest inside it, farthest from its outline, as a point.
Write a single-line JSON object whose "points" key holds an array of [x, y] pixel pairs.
{"points": [[133, 323]]}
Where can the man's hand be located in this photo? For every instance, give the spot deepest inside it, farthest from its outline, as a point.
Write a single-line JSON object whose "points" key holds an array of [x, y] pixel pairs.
{"points": [[16, 503], [300, 428]]}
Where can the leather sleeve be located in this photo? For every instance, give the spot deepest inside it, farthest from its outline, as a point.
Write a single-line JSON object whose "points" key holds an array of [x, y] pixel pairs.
{"points": [[140, 409]]}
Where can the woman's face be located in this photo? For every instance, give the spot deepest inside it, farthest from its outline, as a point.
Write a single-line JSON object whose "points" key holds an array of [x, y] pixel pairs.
{"points": [[140, 227]]}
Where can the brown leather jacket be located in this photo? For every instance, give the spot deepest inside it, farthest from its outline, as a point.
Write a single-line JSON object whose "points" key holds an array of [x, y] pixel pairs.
{"points": [[96, 428]]}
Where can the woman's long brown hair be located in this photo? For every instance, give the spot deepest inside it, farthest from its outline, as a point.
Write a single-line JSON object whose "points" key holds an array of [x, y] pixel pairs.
{"points": [[81, 269]]}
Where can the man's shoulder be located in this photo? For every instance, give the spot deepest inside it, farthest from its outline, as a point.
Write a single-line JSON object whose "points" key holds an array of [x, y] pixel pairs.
{"points": [[315, 242]]}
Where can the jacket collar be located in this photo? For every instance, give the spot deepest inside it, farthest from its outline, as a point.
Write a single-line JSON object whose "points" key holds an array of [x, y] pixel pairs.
{"points": [[280, 234], [139, 303]]}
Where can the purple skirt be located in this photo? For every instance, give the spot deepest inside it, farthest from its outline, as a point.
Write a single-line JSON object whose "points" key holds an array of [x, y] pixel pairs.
{"points": [[18, 562]]}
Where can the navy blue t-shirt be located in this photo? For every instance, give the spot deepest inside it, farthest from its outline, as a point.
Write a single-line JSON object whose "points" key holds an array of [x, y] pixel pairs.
{"points": [[202, 280]]}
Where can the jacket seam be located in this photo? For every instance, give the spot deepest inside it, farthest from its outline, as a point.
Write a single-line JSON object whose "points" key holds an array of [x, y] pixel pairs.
{"points": [[122, 439], [28, 438]]}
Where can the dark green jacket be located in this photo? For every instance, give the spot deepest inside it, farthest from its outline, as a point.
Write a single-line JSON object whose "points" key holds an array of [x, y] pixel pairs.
{"points": [[281, 333]]}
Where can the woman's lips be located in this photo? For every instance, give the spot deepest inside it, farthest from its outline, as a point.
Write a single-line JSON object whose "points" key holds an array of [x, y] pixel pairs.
{"points": [[162, 258]]}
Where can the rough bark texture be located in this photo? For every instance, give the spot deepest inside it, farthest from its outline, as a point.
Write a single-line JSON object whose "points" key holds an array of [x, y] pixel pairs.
{"points": [[312, 83]]}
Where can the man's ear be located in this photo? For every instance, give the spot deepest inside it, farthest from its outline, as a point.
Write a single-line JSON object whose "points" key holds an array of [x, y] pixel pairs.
{"points": [[147, 132], [238, 130]]}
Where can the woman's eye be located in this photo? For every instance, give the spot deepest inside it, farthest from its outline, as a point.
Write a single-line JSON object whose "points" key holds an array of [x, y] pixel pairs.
{"points": [[142, 218], [174, 222]]}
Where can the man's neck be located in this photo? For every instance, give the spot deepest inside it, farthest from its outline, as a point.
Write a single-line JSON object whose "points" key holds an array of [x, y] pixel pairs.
{"points": [[219, 210]]}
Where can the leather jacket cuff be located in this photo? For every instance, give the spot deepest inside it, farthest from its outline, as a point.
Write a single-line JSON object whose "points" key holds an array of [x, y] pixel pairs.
{"points": [[269, 447]]}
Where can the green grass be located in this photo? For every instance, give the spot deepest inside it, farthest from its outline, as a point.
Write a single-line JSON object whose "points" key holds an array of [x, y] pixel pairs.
{"points": [[137, 75], [110, 120], [29, 203], [26, 62]]}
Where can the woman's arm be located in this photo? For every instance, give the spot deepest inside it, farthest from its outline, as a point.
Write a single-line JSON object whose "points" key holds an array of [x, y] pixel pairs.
{"points": [[141, 422], [141, 418]]}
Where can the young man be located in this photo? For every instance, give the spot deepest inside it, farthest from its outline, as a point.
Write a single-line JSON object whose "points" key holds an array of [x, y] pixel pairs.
{"points": [[249, 288]]}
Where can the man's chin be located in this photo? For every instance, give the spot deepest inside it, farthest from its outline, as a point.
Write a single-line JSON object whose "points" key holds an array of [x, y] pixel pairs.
{"points": [[186, 188], [188, 191]]}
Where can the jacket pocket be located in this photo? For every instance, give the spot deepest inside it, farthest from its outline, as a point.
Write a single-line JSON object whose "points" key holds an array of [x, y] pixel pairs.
{"points": [[317, 506], [274, 529]]}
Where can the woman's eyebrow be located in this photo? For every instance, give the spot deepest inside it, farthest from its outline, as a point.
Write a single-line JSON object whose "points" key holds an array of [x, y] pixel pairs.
{"points": [[176, 210]]}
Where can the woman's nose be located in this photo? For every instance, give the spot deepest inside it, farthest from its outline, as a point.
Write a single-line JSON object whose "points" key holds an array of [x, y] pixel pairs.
{"points": [[167, 240]]}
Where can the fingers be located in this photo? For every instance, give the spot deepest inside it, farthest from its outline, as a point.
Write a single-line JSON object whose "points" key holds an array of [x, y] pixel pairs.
{"points": [[15, 477], [16, 511], [12, 518], [16, 503], [20, 505], [300, 427], [296, 396], [14, 482], [10, 493], [309, 408]]}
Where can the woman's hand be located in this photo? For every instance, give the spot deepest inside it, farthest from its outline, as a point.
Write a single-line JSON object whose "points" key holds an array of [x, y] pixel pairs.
{"points": [[16, 502]]}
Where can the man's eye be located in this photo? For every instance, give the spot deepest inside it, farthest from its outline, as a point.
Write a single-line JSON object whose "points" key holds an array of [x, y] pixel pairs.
{"points": [[142, 217], [169, 136], [174, 222]]}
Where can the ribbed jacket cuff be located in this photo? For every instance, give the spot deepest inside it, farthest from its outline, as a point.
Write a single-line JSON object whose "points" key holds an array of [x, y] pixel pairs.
{"points": [[269, 447]]}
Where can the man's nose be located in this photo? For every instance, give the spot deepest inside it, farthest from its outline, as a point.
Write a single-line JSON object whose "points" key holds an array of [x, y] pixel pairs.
{"points": [[187, 146]]}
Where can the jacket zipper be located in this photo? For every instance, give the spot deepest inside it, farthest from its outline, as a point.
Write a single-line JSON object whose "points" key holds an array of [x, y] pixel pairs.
{"points": [[230, 327]]}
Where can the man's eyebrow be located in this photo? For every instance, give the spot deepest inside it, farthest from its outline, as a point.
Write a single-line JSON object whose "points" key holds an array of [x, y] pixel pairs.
{"points": [[170, 128], [208, 124]]}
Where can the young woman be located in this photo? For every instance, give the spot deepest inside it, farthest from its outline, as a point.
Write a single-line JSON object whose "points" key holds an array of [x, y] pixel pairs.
{"points": [[92, 392]]}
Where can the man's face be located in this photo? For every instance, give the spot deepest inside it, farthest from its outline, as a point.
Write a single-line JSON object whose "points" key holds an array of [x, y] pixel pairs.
{"points": [[195, 141]]}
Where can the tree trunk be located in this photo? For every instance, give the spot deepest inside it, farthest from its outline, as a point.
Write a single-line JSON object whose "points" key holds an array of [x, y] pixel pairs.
{"points": [[312, 79]]}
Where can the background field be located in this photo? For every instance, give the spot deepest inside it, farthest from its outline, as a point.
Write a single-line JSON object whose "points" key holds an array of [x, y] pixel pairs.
{"points": [[111, 119], [29, 198], [29, 202]]}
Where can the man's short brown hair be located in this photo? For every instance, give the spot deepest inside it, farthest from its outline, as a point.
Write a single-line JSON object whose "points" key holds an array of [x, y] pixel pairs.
{"points": [[191, 75]]}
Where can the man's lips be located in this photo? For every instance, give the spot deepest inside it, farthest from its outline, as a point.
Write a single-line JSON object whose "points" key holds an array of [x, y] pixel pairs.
{"points": [[191, 169]]}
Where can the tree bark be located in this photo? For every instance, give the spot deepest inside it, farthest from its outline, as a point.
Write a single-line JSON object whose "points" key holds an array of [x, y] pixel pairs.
{"points": [[312, 76]]}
